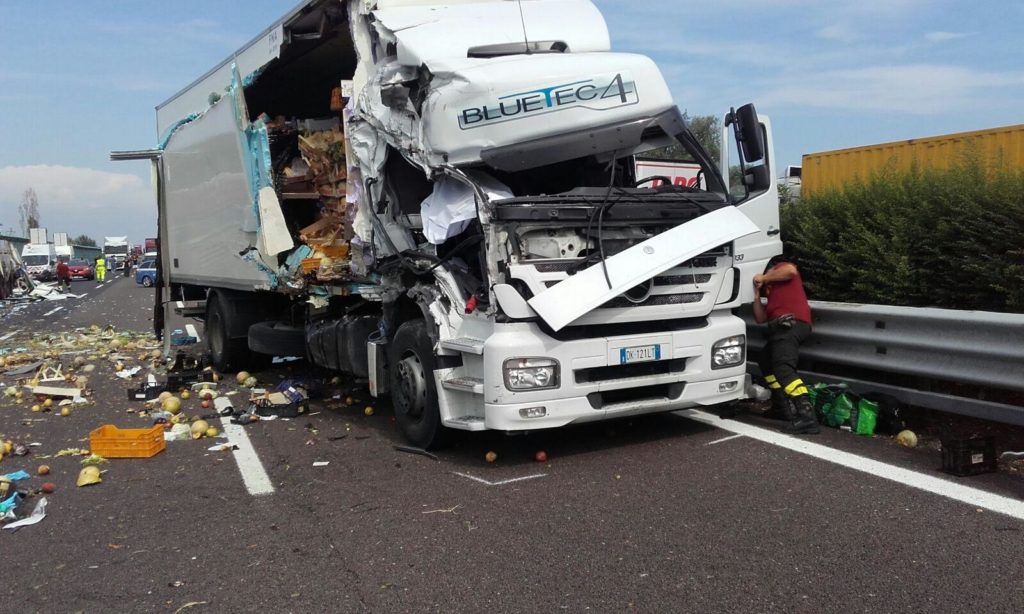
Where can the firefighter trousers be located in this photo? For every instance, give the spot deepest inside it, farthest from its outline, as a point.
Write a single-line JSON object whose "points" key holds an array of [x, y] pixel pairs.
{"points": [[781, 354]]}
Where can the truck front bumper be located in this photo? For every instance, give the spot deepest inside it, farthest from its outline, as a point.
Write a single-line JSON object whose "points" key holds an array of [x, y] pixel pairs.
{"points": [[594, 386]]}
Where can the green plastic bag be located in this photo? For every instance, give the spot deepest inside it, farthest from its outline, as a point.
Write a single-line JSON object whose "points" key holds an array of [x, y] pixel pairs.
{"points": [[823, 397], [865, 418], [842, 408]]}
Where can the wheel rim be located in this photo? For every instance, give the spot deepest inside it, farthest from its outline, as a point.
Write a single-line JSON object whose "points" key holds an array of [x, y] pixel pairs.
{"points": [[411, 392]]}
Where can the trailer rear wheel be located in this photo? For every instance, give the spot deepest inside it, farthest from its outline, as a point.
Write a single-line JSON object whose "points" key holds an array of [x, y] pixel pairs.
{"points": [[413, 392]]}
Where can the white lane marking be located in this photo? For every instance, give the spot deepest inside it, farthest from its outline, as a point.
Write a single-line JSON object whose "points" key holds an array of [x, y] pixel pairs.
{"points": [[499, 482], [711, 443], [191, 329], [938, 486], [257, 482], [53, 311], [9, 335]]}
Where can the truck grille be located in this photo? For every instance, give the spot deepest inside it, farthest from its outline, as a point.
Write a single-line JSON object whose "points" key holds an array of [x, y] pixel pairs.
{"points": [[619, 372]]}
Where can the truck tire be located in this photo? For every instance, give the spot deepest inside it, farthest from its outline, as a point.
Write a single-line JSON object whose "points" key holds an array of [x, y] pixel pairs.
{"points": [[277, 339], [413, 392], [228, 355]]}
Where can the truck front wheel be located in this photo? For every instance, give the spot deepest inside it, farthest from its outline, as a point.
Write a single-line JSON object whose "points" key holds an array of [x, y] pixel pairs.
{"points": [[413, 392]]}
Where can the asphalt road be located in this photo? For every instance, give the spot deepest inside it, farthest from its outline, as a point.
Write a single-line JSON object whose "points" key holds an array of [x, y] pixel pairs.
{"points": [[655, 515]]}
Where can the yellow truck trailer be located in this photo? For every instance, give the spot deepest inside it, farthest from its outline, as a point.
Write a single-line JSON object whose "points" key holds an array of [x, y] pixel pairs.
{"points": [[996, 147]]}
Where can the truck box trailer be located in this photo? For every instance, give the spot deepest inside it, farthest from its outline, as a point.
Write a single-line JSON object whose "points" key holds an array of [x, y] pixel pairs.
{"points": [[443, 199], [115, 252], [995, 147]]}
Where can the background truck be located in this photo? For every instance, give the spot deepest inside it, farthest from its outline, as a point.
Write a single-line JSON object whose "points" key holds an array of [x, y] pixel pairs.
{"points": [[62, 246], [115, 252], [39, 255], [443, 199], [993, 148]]}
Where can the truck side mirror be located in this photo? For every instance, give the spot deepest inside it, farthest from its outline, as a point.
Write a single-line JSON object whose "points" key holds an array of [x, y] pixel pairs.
{"points": [[748, 132]]}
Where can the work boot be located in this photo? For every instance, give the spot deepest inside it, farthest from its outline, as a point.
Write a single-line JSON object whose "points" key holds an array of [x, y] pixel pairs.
{"points": [[805, 423], [782, 407]]}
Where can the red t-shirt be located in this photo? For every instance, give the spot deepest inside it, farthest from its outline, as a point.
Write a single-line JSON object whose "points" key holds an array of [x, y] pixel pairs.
{"points": [[787, 297], [62, 270]]}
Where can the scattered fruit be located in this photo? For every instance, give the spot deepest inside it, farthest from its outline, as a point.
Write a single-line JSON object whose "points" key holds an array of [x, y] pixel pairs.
{"points": [[185, 394], [205, 404], [43, 470], [212, 431], [48, 403], [164, 395], [491, 456], [349, 401], [368, 411], [199, 428], [48, 487], [65, 411], [242, 376], [907, 439], [37, 408], [171, 404], [89, 475], [249, 382], [541, 456]]}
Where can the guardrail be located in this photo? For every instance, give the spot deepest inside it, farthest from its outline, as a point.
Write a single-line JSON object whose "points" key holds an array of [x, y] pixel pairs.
{"points": [[943, 359]]}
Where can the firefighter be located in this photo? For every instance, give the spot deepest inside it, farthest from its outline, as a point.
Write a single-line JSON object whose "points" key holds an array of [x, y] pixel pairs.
{"points": [[789, 323], [101, 269]]}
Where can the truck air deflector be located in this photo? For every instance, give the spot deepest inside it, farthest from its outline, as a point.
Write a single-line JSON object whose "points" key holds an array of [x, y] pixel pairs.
{"points": [[588, 289]]}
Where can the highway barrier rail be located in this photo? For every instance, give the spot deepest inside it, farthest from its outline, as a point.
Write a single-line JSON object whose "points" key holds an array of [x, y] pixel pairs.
{"points": [[964, 362]]}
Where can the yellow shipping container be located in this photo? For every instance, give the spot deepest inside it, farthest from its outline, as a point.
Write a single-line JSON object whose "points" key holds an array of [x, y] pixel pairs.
{"points": [[834, 169]]}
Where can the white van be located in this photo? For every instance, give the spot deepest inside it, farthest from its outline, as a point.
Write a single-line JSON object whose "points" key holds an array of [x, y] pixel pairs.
{"points": [[40, 260]]}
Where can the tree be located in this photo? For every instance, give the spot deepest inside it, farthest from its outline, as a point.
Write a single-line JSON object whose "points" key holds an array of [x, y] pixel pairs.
{"points": [[84, 240], [29, 211]]}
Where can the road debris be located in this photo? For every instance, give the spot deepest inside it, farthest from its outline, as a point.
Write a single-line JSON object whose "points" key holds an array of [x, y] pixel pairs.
{"points": [[35, 517], [412, 450]]}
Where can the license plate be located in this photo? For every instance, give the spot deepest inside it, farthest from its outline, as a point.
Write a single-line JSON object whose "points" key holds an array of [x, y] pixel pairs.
{"points": [[640, 353]]}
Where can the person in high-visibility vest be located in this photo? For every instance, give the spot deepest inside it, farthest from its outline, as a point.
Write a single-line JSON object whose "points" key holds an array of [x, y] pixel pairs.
{"points": [[101, 269]]}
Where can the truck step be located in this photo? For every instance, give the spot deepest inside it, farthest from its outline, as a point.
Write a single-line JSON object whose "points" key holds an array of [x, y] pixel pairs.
{"points": [[467, 423], [190, 309], [465, 384], [466, 345]]}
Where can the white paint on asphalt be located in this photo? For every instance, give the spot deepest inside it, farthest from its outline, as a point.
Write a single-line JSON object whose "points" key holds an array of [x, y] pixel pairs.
{"points": [[499, 482], [9, 335], [53, 311], [257, 482], [921, 481], [711, 443], [191, 329]]}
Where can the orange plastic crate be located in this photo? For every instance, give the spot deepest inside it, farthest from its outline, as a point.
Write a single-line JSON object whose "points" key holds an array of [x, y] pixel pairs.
{"points": [[111, 442]]}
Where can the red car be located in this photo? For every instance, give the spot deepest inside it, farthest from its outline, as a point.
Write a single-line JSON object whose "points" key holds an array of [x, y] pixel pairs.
{"points": [[80, 269]]}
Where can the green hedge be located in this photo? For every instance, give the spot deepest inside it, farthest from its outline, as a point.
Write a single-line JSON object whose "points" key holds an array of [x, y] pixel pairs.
{"points": [[923, 238]]}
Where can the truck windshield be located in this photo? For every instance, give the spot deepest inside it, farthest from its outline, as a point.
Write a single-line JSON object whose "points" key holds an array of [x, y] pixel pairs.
{"points": [[36, 260], [114, 249]]}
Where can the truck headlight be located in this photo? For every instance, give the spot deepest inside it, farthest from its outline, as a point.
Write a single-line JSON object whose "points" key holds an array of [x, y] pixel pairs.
{"points": [[728, 352], [531, 373]]}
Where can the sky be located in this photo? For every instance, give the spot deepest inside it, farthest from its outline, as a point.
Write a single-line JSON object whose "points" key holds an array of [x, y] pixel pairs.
{"points": [[81, 78]]}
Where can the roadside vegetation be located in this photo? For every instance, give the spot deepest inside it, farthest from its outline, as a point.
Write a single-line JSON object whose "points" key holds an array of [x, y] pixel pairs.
{"points": [[951, 238]]}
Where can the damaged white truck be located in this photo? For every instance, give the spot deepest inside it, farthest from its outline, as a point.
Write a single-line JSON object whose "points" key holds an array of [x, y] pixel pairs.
{"points": [[442, 199]]}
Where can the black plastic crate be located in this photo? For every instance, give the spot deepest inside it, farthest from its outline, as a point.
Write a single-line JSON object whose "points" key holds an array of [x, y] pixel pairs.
{"points": [[973, 456]]}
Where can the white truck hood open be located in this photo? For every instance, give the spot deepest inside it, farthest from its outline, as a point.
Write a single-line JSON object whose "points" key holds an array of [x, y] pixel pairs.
{"points": [[566, 301]]}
